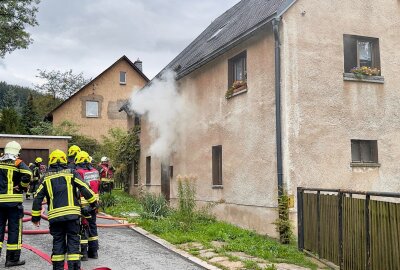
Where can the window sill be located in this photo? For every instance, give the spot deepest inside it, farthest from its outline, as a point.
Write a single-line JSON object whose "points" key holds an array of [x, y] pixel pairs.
{"points": [[217, 187], [91, 116], [238, 91], [361, 164], [367, 79], [122, 83]]}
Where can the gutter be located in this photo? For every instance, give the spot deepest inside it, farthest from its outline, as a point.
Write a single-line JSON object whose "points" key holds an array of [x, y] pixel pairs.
{"points": [[278, 117]]}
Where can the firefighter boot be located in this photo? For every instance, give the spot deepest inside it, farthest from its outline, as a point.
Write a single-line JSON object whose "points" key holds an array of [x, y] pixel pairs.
{"points": [[74, 265], [84, 253], [93, 254], [12, 258], [58, 265]]}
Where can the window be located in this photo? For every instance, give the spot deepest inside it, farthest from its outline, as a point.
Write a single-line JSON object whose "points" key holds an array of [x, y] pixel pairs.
{"points": [[137, 120], [364, 151], [135, 172], [148, 170], [360, 51], [92, 109], [217, 165], [237, 69], [122, 77]]}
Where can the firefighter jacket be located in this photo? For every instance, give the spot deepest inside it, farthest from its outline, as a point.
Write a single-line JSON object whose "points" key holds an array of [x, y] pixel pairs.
{"points": [[106, 172], [15, 176], [59, 186], [35, 168], [91, 177]]}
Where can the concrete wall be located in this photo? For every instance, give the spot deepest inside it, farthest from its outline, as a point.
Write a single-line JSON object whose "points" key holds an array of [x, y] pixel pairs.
{"points": [[323, 112], [110, 94], [245, 127]]}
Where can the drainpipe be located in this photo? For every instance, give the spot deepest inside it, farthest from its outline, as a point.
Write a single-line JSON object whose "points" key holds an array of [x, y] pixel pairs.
{"points": [[275, 24]]}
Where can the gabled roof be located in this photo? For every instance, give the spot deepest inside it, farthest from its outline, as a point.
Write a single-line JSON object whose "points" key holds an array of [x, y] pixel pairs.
{"points": [[227, 31], [98, 76]]}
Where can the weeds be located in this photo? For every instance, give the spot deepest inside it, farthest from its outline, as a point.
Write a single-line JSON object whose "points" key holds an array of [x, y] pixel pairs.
{"points": [[154, 205], [107, 200]]}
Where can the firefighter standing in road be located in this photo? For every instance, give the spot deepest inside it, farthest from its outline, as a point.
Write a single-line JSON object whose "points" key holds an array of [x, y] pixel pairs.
{"points": [[73, 150], [35, 168], [106, 175], [89, 236], [14, 177], [59, 187]]}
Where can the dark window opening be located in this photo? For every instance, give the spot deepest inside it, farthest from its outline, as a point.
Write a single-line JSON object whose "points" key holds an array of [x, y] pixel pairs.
{"points": [[237, 69], [137, 120], [364, 151], [122, 77], [171, 171], [148, 170], [217, 165], [361, 51], [135, 172]]}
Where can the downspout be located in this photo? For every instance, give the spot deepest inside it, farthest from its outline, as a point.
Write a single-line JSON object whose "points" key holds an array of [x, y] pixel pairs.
{"points": [[278, 118]]}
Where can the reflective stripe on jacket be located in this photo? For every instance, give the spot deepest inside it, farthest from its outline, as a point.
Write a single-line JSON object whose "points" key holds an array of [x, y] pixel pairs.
{"points": [[15, 176], [60, 186]]}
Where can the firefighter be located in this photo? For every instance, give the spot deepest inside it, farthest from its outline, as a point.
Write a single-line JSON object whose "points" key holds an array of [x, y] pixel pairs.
{"points": [[73, 150], [89, 236], [106, 175], [59, 187], [15, 176], [36, 171]]}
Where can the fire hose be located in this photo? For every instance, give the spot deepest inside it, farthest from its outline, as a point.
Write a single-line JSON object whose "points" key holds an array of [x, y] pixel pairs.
{"points": [[45, 256]]}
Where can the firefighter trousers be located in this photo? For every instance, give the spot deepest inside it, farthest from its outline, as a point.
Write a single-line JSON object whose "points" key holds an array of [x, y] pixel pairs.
{"points": [[89, 236], [33, 186], [66, 240], [12, 215]]}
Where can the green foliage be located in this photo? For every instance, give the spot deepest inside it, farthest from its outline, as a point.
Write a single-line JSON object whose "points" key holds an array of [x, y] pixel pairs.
{"points": [[10, 122], [154, 205], [271, 267], [59, 84], [186, 212], [107, 200], [15, 16], [30, 118], [283, 224]]}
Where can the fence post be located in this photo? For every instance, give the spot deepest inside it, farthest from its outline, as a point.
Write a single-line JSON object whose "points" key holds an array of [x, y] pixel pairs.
{"points": [[367, 234], [300, 221], [340, 214], [319, 223]]}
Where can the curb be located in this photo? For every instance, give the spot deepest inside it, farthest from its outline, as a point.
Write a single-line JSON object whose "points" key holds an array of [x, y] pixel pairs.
{"points": [[169, 246]]}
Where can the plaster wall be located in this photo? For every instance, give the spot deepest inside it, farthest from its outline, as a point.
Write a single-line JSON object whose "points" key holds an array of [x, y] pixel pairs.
{"points": [[245, 127], [322, 112], [110, 94]]}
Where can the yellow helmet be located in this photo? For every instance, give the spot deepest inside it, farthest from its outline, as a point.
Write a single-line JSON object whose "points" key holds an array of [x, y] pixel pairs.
{"points": [[38, 160], [57, 156], [73, 150], [12, 148], [82, 157]]}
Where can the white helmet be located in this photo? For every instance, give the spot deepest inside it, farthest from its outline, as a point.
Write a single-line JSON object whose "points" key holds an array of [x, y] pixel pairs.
{"points": [[12, 148], [104, 159]]}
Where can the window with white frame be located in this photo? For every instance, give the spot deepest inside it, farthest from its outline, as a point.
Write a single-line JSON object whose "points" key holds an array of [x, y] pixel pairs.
{"points": [[92, 109], [122, 77]]}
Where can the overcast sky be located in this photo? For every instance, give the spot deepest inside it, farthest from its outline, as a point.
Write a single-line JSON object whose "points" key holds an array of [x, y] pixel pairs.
{"points": [[89, 35]]}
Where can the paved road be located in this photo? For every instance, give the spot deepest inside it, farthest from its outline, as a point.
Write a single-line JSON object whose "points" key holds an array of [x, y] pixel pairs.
{"points": [[120, 249]]}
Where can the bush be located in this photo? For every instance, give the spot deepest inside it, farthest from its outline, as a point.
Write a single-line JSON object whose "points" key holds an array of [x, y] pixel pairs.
{"points": [[154, 206], [107, 200], [283, 224]]}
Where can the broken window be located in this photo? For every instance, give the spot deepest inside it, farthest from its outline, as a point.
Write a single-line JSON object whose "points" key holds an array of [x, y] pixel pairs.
{"points": [[364, 151], [92, 109], [360, 51], [217, 165]]}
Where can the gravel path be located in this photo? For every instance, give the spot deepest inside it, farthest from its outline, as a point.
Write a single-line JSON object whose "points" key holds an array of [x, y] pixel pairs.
{"points": [[120, 249]]}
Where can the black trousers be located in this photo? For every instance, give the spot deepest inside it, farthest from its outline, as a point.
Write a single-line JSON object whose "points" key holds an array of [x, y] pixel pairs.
{"points": [[12, 215], [33, 186], [65, 241], [89, 236]]}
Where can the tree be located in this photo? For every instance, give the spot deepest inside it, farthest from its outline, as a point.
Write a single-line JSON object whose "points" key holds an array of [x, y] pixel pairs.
{"points": [[10, 122], [60, 84], [30, 118], [15, 15]]}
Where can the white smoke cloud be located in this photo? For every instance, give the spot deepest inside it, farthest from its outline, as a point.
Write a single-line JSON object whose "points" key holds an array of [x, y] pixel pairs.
{"points": [[163, 107]]}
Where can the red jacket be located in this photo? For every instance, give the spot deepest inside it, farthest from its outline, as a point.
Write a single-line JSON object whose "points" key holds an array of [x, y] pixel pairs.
{"points": [[91, 177]]}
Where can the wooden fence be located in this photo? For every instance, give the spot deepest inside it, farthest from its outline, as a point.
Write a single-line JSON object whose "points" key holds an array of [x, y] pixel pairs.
{"points": [[349, 229]]}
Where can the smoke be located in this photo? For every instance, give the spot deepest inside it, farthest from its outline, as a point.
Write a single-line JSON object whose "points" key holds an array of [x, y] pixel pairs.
{"points": [[163, 108]]}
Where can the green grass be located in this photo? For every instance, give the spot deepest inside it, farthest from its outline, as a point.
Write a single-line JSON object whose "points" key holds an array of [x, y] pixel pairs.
{"points": [[205, 230]]}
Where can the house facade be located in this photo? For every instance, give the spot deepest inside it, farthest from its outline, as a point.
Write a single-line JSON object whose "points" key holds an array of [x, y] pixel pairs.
{"points": [[95, 107], [276, 105]]}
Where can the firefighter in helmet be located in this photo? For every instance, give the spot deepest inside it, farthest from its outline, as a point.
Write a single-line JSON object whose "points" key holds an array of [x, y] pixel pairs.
{"points": [[59, 187], [89, 236], [106, 175], [73, 150], [35, 168], [15, 176]]}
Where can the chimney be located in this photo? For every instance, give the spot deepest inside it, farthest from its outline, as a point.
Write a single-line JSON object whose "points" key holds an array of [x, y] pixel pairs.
{"points": [[139, 64]]}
